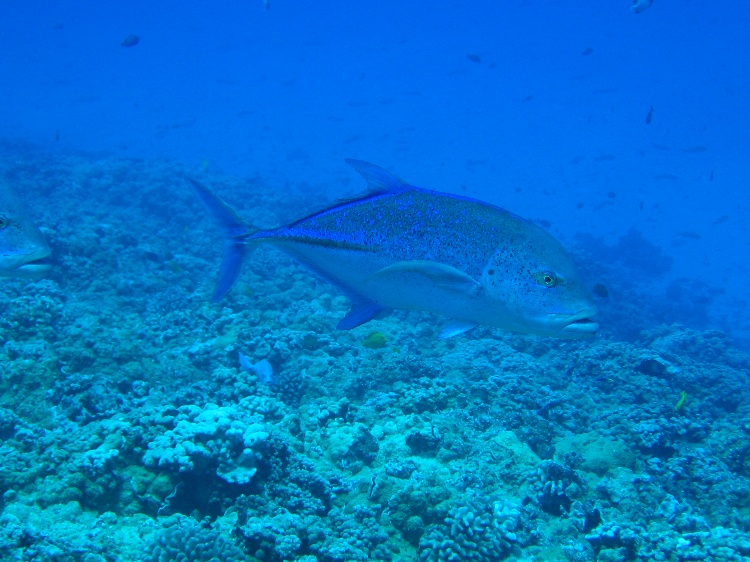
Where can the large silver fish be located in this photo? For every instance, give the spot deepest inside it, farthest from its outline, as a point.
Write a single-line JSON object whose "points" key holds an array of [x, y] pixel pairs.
{"points": [[404, 247], [22, 247]]}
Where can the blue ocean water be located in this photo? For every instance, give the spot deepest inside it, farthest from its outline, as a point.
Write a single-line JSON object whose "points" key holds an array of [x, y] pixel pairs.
{"points": [[129, 430]]}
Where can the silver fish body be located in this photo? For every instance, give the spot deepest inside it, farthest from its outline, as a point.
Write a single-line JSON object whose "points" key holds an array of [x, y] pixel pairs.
{"points": [[404, 247], [22, 246]]}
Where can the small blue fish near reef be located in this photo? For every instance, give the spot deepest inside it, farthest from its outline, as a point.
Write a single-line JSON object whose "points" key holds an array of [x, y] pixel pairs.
{"points": [[404, 247], [23, 249], [262, 369]]}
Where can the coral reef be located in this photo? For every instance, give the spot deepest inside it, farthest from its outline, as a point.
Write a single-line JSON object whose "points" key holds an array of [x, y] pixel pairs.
{"points": [[129, 430]]}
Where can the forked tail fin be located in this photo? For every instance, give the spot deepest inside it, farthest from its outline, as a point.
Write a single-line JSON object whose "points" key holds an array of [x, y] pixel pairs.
{"points": [[236, 232]]}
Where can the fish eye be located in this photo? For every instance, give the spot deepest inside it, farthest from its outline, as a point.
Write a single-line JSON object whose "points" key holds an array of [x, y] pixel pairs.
{"points": [[3, 222], [547, 278]]}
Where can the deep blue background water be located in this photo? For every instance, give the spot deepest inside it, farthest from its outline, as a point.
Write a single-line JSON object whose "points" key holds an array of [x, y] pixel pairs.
{"points": [[539, 107]]}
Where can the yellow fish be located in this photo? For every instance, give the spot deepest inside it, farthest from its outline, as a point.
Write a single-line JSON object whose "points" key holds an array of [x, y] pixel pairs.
{"points": [[375, 340], [681, 401]]}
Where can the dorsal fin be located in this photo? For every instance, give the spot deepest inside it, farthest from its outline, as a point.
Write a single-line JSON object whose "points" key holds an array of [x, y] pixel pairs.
{"points": [[376, 177]]}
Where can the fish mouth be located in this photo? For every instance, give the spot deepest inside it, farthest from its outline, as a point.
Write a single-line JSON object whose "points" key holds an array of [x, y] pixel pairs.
{"points": [[582, 323], [34, 266], [37, 268]]}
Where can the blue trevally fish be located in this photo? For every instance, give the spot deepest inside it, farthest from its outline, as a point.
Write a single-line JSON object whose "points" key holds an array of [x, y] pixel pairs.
{"points": [[405, 247], [23, 248]]}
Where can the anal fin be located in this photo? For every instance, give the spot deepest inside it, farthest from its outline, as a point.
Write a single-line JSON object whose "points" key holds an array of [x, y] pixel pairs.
{"points": [[454, 328], [362, 311]]}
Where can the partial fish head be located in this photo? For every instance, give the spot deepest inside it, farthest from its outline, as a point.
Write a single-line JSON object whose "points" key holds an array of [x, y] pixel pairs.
{"points": [[533, 287], [23, 249]]}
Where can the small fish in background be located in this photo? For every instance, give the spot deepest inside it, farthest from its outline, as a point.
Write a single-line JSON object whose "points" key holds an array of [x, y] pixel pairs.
{"points": [[600, 291], [697, 149], [641, 5], [375, 340], [681, 402], [262, 369], [650, 115], [474, 58], [587, 51], [130, 41], [23, 249], [604, 157], [721, 219]]}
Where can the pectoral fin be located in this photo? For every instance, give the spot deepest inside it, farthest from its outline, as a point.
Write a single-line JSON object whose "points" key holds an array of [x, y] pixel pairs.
{"points": [[439, 275]]}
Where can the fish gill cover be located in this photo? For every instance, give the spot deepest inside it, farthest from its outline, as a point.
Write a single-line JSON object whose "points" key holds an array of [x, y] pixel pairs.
{"points": [[141, 421]]}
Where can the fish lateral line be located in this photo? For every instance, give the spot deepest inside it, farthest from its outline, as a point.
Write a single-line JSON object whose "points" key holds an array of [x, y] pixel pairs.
{"points": [[271, 237]]}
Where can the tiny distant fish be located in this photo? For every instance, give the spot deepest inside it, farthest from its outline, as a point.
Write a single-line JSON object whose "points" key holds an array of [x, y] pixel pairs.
{"points": [[262, 369], [641, 5], [711, 177], [721, 219], [474, 58], [600, 291], [681, 401], [403, 247], [695, 149], [605, 158], [23, 249], [130, 41], [587, 51], [650, 115]]}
